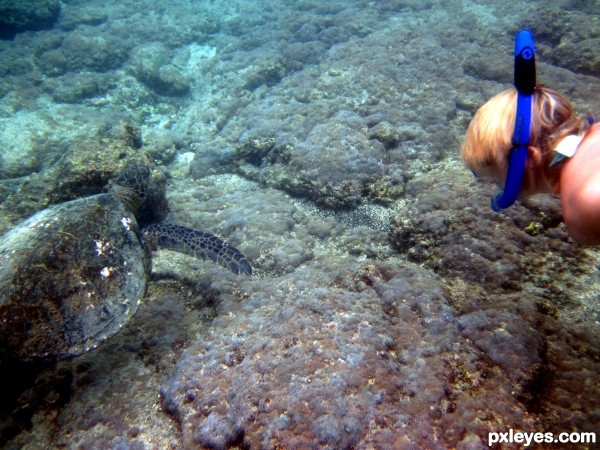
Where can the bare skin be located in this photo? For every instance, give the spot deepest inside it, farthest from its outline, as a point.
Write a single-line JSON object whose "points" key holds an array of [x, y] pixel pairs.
{"points": [[580, 190]]}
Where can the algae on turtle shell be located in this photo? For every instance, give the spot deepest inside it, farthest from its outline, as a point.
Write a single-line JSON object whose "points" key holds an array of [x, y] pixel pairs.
{"points": [[73, 274]]}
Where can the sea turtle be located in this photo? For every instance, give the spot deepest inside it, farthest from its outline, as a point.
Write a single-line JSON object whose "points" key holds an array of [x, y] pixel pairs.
{"points": [[74, 273]]}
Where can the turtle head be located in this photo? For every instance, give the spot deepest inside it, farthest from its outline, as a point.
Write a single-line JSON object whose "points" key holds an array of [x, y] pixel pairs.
{"points": [[136, 176], [143, 191], [132, 184]]}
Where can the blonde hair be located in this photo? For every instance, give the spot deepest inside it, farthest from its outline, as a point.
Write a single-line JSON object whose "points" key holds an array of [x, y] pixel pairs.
{"points": [[489, 136]]}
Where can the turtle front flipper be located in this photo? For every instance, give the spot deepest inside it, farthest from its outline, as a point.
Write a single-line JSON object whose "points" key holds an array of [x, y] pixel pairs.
{"points": [[199, 244]]}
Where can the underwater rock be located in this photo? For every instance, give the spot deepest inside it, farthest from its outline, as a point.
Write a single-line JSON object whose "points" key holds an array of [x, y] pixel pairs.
{"points": [[169, 81], [151, 64], [53, 62], [465, 239], [507, 340], [581, 56], [80, 51], [566, 36], [13, 64], [340, 355], [341, 125], [84, 14], [76, 87], [387, 134], [25, 15], [86, 167], [92, 52], [269, 72], [254, 150], [333, 165]]}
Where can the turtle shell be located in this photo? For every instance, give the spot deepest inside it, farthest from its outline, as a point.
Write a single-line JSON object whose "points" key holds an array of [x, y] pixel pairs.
{"points": [[70, 276]]}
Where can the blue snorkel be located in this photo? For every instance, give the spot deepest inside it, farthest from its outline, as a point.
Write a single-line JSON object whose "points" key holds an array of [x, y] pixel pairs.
{"points": [[525, 84]]}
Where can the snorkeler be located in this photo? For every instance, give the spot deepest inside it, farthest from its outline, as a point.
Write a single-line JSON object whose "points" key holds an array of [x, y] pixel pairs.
{"points": [[530, 137]]}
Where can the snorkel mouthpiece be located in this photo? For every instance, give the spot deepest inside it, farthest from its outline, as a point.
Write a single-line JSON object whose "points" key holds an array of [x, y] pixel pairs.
{"points": [[525, 83]]}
